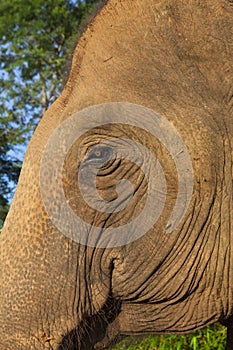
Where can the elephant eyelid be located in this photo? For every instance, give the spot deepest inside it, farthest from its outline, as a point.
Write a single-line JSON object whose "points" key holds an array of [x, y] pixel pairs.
{"points": [[99, 153]]}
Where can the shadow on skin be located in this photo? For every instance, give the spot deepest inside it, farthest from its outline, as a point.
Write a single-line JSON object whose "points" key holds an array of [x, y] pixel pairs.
{"points": [[93, 329]]}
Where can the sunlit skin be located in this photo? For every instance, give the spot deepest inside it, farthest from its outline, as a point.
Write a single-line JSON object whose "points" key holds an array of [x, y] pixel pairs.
{"points": [[174, 58]]}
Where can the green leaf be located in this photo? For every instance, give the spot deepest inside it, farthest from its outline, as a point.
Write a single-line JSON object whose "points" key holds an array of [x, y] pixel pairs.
{"points": [[35, 37]]}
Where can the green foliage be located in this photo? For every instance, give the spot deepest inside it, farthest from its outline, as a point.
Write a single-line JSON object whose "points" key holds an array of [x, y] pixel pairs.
{"points": [[35, 37], [9, 165], [210, 338]]}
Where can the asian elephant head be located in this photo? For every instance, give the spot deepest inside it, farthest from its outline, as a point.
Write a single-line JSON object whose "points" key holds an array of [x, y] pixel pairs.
{"points": [[122, 218]]}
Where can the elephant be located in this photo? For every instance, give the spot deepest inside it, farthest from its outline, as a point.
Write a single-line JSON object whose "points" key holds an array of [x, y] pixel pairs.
{"points": [[121, 223]]}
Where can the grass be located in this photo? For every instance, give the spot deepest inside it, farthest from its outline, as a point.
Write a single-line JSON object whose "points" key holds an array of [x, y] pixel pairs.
{"points": [[210, 338]]}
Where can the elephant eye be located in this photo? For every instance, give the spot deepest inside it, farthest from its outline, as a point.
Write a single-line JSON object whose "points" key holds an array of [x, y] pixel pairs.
{"points": [[99, 154]]}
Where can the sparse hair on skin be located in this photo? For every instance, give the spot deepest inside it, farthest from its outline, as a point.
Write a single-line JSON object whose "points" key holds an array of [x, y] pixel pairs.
{"points": [[82, 27]]}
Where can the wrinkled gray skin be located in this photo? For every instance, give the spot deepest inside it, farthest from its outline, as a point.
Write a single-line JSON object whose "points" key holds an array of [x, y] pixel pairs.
{"points": [[174, 57]]}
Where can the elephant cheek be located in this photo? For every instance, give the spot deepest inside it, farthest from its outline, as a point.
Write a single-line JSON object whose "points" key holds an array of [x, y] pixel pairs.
{"points": [[101, 273], [99, 294]]}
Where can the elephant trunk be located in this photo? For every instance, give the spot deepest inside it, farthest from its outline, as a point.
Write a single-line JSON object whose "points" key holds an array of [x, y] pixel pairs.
{"points": [[50, 286]]}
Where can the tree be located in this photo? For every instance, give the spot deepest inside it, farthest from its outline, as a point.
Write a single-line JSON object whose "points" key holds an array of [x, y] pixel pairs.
{"points": [[35, 39], [10, 169]]}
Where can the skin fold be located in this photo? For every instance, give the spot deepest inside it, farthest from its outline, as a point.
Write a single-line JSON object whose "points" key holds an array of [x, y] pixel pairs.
{"points": [[175, 58]]}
